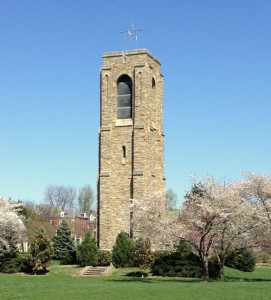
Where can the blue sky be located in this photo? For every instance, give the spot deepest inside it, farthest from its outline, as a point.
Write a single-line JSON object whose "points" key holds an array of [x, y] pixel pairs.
{"points": [[216, 62]]}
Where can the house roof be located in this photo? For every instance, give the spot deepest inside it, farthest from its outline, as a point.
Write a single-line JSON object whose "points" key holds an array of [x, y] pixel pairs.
{"points": [[69, 214]]}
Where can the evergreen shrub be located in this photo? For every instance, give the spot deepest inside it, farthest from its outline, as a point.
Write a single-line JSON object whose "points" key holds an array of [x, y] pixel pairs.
{"points": [[143, 255], [104, 258], [177, 264], [23, 261], [213, 267], [10, 266], [240, 259], [19, 264], [68, 258], [40, 252], [9, 254], [181, 263], [123, 253], [63, 244], [183, 247], [87, 251]]}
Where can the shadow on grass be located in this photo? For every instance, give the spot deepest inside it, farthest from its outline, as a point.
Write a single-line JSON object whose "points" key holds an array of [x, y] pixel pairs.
{"points": [[38, 273], [136, 277], [238, 279], [136, 274], [183, 280]]}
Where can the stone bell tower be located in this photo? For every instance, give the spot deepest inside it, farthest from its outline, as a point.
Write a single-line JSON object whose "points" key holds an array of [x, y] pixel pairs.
{"points": [[131, 138]]}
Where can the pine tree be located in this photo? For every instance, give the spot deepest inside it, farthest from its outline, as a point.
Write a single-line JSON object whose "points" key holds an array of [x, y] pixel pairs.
{"points": [[123, 253], [63, 242], [87, 251], [144, 256], [40, 251]]}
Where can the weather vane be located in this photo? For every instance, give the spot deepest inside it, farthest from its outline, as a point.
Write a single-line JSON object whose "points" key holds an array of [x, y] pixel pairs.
{"points": [[131, 33]]}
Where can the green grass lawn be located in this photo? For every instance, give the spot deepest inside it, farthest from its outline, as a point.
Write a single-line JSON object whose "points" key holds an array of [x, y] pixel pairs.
{"points": [[59, 284]]}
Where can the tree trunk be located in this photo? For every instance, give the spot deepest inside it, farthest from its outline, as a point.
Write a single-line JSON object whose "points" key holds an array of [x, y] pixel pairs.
{"points": [[221, 267], [206, 277], [221, 271]]}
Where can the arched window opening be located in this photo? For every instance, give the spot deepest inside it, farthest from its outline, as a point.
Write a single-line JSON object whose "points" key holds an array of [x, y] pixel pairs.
{"points": [[124, 107]]}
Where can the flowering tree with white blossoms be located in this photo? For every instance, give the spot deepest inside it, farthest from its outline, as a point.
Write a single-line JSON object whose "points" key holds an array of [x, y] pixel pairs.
{"points": [[258, 189], [214, 218], [221, 218], [151, 220], [10, 222]]}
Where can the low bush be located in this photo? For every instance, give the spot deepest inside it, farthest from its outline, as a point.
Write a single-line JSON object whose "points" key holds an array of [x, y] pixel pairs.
{"points": [[159, 254], [176, 264], [183, 247], [9, 254], [68, 259], [104, 258], [16, 264], [10, 266], [213, 267], [240, 259], [181, 263], [11, 260]]}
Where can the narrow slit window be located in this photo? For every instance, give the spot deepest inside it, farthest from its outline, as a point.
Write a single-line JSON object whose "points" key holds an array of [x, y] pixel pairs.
{"points": [[153, 83], [123, 155], [123, 152]]}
